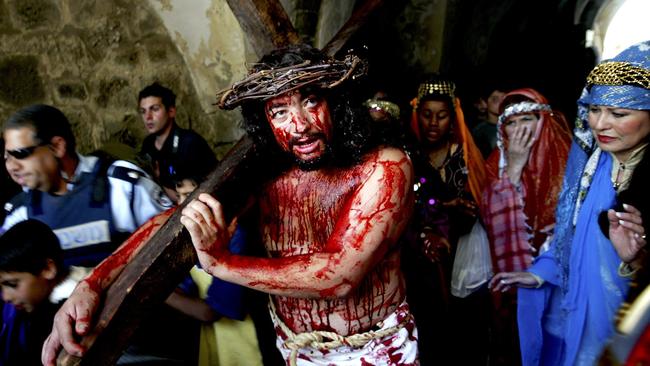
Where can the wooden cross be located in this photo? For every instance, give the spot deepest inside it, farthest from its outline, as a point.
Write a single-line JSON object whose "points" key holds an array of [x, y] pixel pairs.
{"points": [[165, 260]]}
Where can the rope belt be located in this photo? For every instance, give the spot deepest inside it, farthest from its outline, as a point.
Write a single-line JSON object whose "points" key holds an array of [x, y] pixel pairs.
{"points": [[324, 340]]}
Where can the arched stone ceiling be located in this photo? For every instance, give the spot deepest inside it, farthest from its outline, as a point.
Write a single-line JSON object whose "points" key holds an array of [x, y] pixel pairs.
{"points": [[210, 40]]}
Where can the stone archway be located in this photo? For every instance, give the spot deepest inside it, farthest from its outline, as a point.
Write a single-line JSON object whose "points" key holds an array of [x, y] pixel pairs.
{"points": [[627, 26], [617, 25]]}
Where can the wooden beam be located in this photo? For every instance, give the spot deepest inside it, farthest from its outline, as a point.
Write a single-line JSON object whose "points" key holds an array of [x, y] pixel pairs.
{"points": [[161, 265], [265, 23], [358, 19]]}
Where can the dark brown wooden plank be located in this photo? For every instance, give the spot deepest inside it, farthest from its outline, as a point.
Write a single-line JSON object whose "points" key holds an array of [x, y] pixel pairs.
{"points": [[358, 19], [153, 274], [265, 23]]}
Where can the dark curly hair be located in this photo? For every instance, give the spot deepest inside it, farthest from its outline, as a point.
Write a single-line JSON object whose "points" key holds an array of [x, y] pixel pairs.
{"points": [[166, 95], [349, 120]]}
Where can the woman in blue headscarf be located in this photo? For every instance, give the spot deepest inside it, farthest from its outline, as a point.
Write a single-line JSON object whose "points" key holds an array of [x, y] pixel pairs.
{"points": [[568, 298]]}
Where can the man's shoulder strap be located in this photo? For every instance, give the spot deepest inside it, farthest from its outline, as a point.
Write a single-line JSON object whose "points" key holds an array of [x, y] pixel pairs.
{"points": [[106, 167], [118, 169], [125, 173], [16, 201]]}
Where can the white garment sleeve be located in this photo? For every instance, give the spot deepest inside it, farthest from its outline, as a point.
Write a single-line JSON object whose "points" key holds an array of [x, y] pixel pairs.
{"points": [[133, 204], [17, 215]]}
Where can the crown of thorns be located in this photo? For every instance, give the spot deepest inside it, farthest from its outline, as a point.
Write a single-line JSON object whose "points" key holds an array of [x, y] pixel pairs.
{"points": [[270, 83], [619, 73]]}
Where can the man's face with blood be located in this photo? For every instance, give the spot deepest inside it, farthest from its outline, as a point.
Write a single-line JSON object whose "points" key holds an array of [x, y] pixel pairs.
{"points": [[301, 124]]}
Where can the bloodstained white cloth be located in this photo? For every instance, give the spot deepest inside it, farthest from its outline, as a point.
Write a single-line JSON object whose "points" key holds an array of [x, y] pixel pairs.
{"points": [[400, 348]]}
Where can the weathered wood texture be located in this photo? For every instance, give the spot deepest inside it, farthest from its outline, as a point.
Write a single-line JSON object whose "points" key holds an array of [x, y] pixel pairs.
{"points": [[265, 23], [358, 19]]}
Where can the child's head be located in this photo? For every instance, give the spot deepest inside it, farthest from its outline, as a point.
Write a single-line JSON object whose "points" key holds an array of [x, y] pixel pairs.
{"points": [[184, 187], [187, 177], [31, 264]]}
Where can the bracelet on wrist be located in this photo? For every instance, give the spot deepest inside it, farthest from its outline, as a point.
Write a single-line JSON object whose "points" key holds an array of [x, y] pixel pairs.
{"points": [[625, 270], [540, 281]]}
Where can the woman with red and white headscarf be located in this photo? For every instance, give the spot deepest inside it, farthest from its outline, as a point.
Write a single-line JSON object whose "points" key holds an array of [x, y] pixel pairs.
{"points": [[524, 176]]}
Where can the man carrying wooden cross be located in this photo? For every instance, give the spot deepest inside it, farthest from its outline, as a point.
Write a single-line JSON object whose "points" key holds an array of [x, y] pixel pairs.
{"points": [[330, 219]]}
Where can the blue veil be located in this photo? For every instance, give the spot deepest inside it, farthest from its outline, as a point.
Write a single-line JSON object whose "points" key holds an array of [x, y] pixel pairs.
{"points": [[550, 318]]}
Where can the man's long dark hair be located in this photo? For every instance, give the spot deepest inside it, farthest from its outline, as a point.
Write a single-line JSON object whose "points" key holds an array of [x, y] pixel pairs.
{"points": [[349, 121]]}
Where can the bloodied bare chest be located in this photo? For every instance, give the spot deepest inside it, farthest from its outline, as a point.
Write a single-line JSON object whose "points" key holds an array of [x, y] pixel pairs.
{"points": [[300, 210], [308, 212]]}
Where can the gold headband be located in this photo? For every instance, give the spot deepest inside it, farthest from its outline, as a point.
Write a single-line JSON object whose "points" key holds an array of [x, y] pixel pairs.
{"points": [[388, 107], [441, 87], [619, 73]]}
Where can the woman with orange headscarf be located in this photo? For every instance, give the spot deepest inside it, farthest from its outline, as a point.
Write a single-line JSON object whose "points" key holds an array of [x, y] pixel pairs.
{"points": [[449, 177], [524, 178]]}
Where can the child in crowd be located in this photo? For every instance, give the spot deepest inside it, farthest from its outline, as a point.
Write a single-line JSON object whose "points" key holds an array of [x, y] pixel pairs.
{"points": [[33, 281]]}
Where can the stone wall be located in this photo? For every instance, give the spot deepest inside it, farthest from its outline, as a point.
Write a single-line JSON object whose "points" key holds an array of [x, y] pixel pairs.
{"points": [[90, 58], [421, 27]]}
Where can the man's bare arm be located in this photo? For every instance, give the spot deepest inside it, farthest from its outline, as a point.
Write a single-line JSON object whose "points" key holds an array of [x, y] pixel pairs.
{"points": [[107, 271], [76, 314], [374, 218]]}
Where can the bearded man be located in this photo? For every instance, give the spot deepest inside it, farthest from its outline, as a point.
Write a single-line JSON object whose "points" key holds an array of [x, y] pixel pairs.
{"points": [[329, 218]]}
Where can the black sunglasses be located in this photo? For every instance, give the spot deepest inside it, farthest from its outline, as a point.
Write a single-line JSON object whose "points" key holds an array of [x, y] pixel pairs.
{"points": [[23, 152]]}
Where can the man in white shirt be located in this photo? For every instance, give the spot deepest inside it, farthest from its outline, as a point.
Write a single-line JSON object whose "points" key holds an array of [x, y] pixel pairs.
{"points": [[90, 203]]}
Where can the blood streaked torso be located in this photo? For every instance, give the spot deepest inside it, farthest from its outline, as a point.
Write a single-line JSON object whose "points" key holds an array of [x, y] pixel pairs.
{"points": [[306, 212]]}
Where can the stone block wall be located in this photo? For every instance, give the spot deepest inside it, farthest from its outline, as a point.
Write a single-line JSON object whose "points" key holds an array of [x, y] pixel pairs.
{"points": [[90, 58]]}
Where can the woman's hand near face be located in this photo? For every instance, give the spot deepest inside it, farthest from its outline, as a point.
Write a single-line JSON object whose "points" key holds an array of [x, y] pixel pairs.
{"points": [[626, 232], [520, 142]]}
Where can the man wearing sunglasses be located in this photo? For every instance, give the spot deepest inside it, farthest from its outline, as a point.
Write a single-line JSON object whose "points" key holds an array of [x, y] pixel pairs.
{"points": [[91, 204]]}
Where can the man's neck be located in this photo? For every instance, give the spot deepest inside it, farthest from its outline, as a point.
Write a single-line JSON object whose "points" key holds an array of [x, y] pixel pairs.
{"points": [[68, 167], [492, 118], [161, 137]]}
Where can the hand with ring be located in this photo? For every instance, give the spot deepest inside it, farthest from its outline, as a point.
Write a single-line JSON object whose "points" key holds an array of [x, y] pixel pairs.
{"points": [[627, 233], [504, 281]]}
